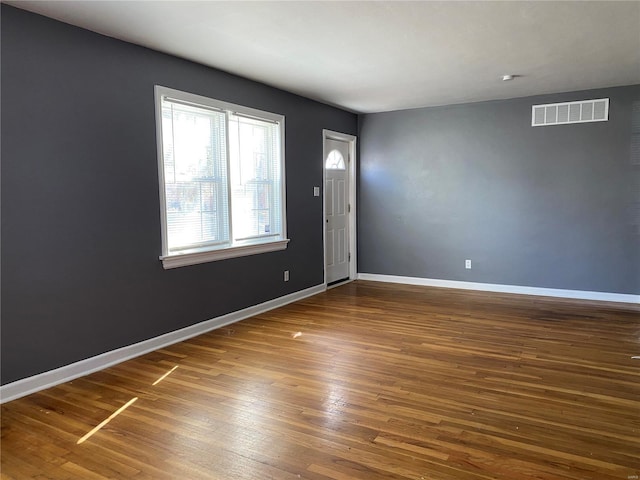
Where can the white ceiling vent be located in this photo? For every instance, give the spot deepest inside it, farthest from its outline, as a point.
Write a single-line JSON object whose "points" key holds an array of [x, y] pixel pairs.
{"points": [[570, 112]]}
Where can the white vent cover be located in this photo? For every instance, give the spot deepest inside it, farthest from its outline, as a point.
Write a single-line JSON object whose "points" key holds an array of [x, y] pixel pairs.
{"points": [[570, 112]]}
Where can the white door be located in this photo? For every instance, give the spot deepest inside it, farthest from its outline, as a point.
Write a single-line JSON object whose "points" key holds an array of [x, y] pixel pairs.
{"points": [[336, 210]]}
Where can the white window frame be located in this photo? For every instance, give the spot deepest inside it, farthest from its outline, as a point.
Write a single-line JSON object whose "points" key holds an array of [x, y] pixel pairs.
{"points": [[210, 253]]}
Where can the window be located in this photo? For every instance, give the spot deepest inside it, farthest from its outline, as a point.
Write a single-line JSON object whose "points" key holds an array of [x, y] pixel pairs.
{"points": [[221, 171], [335, 161]]}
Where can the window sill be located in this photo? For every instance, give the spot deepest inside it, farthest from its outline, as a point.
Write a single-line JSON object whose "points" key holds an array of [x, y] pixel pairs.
{"points": [[196, 257]]}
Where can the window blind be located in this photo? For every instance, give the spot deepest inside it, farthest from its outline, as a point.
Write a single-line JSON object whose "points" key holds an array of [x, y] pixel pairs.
{"points": [[255, 177], [195, 175]]}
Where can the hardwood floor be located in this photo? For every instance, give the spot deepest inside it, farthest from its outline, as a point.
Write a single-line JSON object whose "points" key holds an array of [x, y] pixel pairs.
{"points": [[366, 381]]}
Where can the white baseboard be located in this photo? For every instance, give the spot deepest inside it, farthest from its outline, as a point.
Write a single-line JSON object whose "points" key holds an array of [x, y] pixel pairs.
{"points": [[491, 287], [33, 384]]}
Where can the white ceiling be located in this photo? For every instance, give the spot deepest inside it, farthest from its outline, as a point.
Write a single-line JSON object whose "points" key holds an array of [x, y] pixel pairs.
{"points": [[381, 56]]}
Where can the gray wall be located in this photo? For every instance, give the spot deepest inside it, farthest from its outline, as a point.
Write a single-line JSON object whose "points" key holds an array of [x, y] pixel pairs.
{"points": [[553, 207], [80, 208]]}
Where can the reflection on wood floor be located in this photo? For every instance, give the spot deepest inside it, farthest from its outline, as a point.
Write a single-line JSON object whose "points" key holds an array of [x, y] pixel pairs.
{"points": [[366, 381]]}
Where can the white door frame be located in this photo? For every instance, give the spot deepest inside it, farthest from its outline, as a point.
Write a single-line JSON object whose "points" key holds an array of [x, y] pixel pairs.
{"points": [[351, 169]]}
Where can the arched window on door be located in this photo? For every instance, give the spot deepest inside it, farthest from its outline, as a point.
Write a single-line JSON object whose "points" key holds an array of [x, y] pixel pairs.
{"points": [[335, 161]]}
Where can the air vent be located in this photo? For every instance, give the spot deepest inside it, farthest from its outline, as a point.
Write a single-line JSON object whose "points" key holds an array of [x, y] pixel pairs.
{"points": [[570, 112]]}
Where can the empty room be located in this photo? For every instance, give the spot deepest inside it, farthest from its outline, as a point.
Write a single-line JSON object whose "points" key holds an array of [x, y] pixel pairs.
{"points": [[320, 240]]}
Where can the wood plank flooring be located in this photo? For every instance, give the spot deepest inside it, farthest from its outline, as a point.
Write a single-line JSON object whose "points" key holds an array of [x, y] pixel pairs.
{"points": [[366, 381]]}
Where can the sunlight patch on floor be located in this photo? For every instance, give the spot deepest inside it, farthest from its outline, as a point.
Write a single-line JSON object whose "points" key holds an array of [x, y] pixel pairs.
{"points": [[104, 422]]}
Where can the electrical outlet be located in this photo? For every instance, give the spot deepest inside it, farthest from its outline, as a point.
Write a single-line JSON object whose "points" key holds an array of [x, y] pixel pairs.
{"points": [[316, 191], [467, 264], [286, 275]]}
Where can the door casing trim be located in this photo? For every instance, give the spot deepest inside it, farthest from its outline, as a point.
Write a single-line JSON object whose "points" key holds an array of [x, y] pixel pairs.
{"points": [[351, 169]]}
